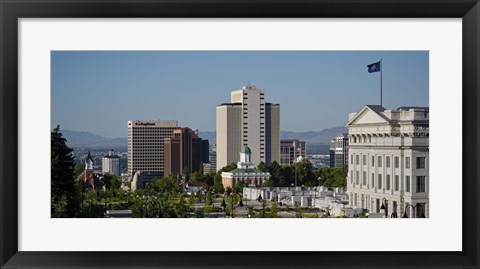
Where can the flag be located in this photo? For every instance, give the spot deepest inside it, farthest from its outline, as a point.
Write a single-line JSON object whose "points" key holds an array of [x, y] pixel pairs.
{"points": [[375, 67]]}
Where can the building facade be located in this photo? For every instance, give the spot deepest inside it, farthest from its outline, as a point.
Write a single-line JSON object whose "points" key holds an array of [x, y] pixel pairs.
{"points": [[213, 158], [389, 160], [339, 151], [248, 120], [111, 163], [184, 152], [245, 172], [146, 146], [291, 150]]}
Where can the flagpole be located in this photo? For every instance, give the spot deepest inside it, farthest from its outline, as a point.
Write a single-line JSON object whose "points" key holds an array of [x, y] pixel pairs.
{"points": [[381, 84]]}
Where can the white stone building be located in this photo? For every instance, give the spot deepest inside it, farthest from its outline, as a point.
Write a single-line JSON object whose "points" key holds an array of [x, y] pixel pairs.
{"points": [[245, 171], [389, 160], [248, 120], [339, 151], [111, 164]]}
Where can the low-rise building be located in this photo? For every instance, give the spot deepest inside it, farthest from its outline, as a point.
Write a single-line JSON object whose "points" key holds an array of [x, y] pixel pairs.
{"points": [[245, 172]]}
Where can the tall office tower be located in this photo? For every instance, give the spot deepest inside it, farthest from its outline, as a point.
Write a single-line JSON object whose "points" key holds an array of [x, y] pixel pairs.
{"points": [[145, 146], [339, 151], [184, 152], [388, 160], [248, 120], [213, 158], [290, 150], [111, 163]]}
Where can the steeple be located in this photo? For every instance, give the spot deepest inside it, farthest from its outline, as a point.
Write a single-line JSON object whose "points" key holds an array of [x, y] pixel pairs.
{"points": [[89, 162]]}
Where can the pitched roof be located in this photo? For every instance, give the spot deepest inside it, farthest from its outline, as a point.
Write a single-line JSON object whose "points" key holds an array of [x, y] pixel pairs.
{"points": [[89, 157], [376, 108]]}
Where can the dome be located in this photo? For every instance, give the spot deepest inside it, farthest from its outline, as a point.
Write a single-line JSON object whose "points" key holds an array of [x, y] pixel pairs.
{"points": [[246, 149]]}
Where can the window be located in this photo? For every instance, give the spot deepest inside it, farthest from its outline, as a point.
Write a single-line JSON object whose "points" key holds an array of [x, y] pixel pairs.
{"points": [[420, 162], [356, 177], [387, 160], [379, 161], [351, 159], [420, 209], [373, 180], [351, 176], [357, 159], [407, 162], [397, 162], [388, 183], [364, 178], [421, 184], [407, 182], [379, 181], [397, 183], [373, 161], [364, 159]]}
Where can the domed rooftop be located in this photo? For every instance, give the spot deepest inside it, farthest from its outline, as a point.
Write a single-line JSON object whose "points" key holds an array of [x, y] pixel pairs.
{"points": [[246, 149]]}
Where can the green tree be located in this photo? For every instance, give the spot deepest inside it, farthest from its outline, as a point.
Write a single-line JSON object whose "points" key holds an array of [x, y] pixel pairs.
{"points": [[332, 177], [63, 191], [210, 178], [218, 186], [305, 174], [274, 210], [208, 199], [227, 168], [116, 183], [79, 168], [251, 212], [238, 188], [182, 210], [191, 200], [263, 213], [262, 166]]}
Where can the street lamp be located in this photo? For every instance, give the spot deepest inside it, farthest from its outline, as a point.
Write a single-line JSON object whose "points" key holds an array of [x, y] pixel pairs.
{"points": [[240, 204], [414, 207], [299, 159], [232, 196], [385, 206]]}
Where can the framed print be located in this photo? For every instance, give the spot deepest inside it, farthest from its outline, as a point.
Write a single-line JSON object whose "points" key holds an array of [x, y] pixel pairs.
{"points": [[321, 157]]}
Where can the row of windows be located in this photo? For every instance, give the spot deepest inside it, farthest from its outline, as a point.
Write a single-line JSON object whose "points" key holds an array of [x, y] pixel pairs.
{"points": [[420, 183], [420, 161]]}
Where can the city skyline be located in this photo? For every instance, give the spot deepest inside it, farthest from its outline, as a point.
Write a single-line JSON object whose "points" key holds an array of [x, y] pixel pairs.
{"points": [[99, 92]]}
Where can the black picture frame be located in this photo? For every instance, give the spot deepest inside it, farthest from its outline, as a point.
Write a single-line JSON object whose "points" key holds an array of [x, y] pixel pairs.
{"points": [[11, 11]]}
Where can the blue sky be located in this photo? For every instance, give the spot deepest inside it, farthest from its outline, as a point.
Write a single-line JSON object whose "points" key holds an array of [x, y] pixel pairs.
{"points": [[99, 91]]}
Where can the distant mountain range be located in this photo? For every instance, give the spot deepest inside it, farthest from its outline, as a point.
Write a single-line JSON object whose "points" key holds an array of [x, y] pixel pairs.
{"points": [[89, 140]]}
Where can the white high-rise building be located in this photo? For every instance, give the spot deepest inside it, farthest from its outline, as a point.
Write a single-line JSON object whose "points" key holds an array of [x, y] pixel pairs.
{"points": [[146, 148], [248, 120], [388, 160], [339, 151], [111, 163]]}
